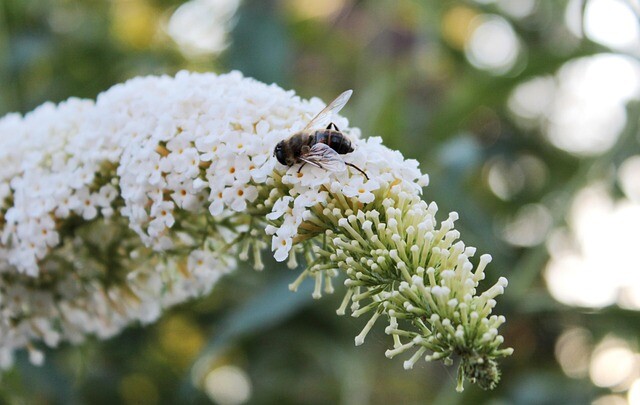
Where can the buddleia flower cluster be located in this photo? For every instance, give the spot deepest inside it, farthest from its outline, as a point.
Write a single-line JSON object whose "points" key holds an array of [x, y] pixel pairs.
{"points": [[113, 210]]}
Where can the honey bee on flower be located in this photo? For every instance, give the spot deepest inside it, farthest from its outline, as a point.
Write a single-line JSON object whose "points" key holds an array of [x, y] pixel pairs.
{"points": [[321, 148]]}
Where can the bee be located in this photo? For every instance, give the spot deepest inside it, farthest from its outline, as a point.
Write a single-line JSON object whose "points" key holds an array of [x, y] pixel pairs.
{"points": [[319, 147]]}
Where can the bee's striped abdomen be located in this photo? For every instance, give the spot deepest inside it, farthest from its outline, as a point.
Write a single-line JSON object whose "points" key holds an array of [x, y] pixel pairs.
{"points": [[335, 139]]}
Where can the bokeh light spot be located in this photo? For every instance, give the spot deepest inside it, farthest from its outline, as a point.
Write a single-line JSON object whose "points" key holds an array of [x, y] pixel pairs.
{"points": [[593, 265], [457, 25], [181, 339], [612, 363], [610, 400], [612, 23], [517, 8], [529, 227], [572, 351], [505, 179], [532, 100], [633, 396], [588, 109], [309, 9], [200, 27], [493, 45], [629, 177], [134, 22], [228, 385]]}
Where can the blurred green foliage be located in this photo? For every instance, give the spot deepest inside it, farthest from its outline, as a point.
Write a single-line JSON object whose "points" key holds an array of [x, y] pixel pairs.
{"points": [[415, 88]]}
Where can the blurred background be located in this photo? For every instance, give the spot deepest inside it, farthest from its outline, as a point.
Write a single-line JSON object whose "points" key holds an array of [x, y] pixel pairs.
{"points": [[524, 112]]}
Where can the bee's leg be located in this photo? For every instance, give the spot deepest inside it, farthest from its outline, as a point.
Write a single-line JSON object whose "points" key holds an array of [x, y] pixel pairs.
{"points": [[358, 169], [301, 166]]}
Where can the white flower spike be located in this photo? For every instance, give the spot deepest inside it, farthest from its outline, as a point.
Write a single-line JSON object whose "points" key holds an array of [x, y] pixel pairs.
{"points": [[111, 211]]}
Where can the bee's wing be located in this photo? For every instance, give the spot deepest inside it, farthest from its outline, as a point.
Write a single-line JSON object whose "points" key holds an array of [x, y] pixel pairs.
{"points": [[321, 155], [333, 108]]}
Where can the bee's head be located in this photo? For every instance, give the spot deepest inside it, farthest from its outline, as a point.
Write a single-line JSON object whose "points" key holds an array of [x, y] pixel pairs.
{"points": [[278, 152]]}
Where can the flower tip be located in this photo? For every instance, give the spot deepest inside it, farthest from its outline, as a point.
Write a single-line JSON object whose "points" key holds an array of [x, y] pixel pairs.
{"points": [[486, 258], [423, 181], [36, 357], [407, 365], [359, 340], [280, 256]]}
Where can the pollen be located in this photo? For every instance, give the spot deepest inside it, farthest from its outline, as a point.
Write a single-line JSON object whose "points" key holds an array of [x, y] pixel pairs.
{"points": [[361, 191], [183, 192], [283, 243], [232, 170], [300, 174], [240, 193]]}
